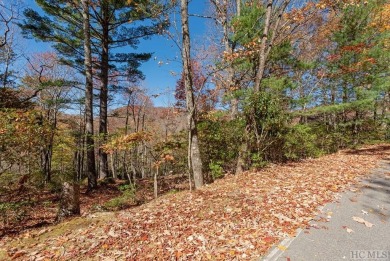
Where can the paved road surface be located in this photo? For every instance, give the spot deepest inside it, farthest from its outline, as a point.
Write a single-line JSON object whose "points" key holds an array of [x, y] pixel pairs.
{"points": [[331, 241]]}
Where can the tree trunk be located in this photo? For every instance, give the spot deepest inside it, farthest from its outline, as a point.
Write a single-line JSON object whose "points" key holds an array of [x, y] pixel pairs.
{"points": [[46, 157], [263, 46], [229, 49], [8, 55], [70, 200], [103, 158], [194, 159], [90, 159], [243, 150], [266, 45], [114, 175], [155, 184], [242, 160]]}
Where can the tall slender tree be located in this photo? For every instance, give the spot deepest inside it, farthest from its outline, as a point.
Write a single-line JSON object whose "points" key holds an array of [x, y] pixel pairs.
{"points": [[90, 159], [270, 22], [194, 159]]}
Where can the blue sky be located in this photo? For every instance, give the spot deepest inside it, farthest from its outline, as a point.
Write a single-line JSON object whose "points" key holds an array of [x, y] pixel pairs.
{"points": [[163, 69]]}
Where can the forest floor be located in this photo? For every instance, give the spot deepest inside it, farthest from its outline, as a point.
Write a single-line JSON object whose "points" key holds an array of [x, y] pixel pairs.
{"points": [[235, 218], [30, 207]]}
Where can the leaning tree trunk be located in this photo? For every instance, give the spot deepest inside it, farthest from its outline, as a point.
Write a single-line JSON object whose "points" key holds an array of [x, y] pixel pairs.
{"points": [[90, 160], [194, 159]]}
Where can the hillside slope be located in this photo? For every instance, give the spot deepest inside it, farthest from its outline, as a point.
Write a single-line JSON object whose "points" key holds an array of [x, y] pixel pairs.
{"points": [[236, 218]]}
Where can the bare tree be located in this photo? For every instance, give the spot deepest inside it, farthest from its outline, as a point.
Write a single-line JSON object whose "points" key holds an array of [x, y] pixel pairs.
{"points": [[9, 13], [224, 13]]}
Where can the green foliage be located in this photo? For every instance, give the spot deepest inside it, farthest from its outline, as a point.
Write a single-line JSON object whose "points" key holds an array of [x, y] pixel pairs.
{"points": [[216, 170], [124, 201], [60, 25], [11, 212], [281, 55], [300, 142], [220, 139], [257, 160], [247, 26], [173, 191], [265, 112]]}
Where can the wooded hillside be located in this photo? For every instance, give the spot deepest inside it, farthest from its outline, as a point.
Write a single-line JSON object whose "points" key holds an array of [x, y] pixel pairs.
{"points": [[256, 84]]}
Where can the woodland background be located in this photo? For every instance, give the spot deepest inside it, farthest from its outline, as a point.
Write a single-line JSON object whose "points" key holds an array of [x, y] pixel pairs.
{"points": [[276, 81]]}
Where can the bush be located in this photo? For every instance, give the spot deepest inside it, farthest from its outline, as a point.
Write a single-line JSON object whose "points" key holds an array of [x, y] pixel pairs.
{"points": [[124, 201], [257, 161], [216, 170], [13, 212], [220, 139], [301, 142]]}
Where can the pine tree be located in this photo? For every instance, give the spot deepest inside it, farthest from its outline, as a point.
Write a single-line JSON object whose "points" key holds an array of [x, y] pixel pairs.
{"points": [[113, 24]]}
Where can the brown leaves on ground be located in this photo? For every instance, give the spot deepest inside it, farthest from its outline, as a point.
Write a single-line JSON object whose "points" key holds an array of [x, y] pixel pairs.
{"points": [[236, 218], [40, 207]]}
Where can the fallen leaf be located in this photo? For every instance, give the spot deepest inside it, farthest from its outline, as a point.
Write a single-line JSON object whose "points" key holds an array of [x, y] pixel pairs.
{"points": [[353, 199], [348, 229], [362, 221], [112, 233], [204, 228], [18, 254], [144, 237]]}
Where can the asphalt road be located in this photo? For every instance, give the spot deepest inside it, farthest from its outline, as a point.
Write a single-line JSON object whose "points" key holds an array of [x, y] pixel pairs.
{"points": [[337, 236]]}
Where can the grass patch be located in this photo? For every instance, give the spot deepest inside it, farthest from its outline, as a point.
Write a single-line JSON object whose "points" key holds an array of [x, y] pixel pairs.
{"points": [[127, 199]]}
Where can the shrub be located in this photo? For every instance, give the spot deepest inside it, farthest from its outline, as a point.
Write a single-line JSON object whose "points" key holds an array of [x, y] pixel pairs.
{"points": [[13, 212], [300, 142], [216, 170], [257, 161], [220, 139], [123, 201]]}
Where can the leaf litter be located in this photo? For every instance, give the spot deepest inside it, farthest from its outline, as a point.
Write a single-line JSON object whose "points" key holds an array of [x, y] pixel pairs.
{"points": [[236, 218]]}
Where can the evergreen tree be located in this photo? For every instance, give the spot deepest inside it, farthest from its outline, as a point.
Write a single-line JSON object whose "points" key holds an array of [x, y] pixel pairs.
{"points": [[357, 66], [114, 25]]}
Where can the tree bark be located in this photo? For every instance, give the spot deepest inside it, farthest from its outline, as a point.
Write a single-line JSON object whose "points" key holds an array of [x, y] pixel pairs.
{"points": [[229, 49], [90, 159], [103, 157], [70, 200], [263, 46], [194, 159], [155, 184]]}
